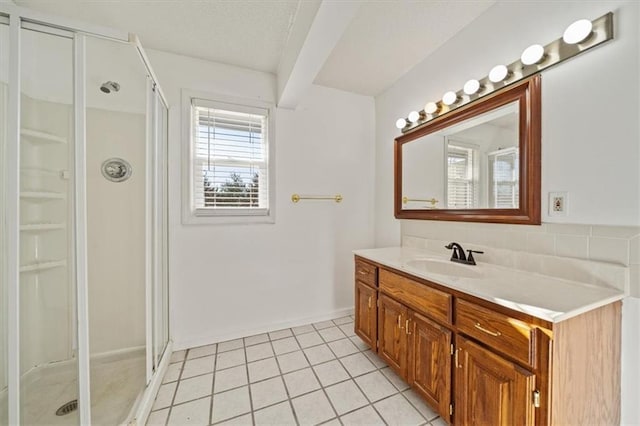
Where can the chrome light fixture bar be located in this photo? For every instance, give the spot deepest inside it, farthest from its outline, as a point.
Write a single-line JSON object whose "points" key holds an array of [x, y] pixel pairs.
{"points": [[578, 38]]}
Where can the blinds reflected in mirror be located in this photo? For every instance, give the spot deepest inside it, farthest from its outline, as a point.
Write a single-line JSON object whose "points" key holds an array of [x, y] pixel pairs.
{"points": [[461, 177], [503, 177]]}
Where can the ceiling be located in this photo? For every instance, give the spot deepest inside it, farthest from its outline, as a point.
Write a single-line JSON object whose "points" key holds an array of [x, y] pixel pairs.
{"points": [[383, 41]]}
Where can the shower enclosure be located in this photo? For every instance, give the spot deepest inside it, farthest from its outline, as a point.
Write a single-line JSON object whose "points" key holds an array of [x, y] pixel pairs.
{"points": [[84, 333]]}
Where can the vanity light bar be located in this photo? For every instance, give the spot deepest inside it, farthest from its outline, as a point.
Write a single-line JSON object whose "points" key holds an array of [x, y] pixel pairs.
{"points": [[577, 38]]}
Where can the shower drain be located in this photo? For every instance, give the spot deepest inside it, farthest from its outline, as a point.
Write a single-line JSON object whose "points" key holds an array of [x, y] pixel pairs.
{"points": [[67, 408]]}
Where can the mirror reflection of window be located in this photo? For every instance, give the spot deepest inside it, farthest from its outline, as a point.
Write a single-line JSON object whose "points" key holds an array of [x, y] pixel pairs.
{"points": [[503, 178], [462, 176]]}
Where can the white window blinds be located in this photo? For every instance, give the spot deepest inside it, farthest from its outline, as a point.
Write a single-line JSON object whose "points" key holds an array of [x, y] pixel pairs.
{"points": [[461, 185], [504, 178], [230, 159]]}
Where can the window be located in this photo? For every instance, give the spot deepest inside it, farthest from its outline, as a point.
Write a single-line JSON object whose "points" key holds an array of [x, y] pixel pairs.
{"points": [[504, 178], [230, 176], [461, 177]]}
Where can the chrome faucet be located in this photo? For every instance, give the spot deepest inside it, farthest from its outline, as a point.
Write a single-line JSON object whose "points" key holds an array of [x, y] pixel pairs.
{"points": [[459, 256]]}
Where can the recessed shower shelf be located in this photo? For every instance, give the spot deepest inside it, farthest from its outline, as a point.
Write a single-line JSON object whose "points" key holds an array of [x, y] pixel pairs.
{"points": [[42, 137], [43, 266], [36, 227], [42, 195]]}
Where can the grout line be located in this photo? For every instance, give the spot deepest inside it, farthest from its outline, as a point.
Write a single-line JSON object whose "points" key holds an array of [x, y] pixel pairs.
{"points": [[322, 387], [213, 382], [293, 411], [246, 371]]}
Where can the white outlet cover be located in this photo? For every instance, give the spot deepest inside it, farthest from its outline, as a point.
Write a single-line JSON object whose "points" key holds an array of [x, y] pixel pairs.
{"points": [[558, 203]]}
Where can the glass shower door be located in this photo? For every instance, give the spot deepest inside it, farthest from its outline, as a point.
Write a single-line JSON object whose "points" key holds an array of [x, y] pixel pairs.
{"points": [[4, 79], [48, 337]]}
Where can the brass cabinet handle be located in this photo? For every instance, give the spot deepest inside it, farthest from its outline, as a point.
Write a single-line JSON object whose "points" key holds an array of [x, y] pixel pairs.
{"points": [[493, 333], [406, 327], [361, 272], [458, 365], [369, 302], [399, 319]]}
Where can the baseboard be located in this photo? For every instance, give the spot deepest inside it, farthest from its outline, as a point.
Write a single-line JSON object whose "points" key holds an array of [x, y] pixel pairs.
{"points": [[263, 328]]}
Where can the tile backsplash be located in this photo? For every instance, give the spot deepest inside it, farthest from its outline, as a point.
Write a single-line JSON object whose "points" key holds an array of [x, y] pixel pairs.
{"points": [[512, 245]]}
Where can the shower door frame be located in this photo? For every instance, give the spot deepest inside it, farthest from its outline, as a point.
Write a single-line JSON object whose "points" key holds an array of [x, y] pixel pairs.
{"points": [[80, 31]]}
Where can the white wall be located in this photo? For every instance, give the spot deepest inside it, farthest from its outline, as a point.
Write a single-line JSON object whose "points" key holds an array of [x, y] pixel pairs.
{"points": [[590, 127], [231, 280]]}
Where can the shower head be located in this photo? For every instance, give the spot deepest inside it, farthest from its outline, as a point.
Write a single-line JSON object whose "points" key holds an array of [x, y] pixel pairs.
{"points": [[110, 86]]}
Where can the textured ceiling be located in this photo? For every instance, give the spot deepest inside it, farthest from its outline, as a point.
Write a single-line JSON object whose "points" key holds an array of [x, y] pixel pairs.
{"points": [[247, 33], [389, 37]]}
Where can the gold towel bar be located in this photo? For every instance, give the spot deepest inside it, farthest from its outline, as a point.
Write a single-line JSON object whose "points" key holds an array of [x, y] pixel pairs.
{"points": [[433, 201], [295, 197]]}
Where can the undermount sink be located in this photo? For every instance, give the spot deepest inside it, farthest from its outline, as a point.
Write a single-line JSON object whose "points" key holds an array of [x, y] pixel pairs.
{"points": [[445, 267]]}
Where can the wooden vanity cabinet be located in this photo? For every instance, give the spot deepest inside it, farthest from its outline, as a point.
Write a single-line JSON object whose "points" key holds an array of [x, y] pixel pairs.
{"points": [[478, 363]]}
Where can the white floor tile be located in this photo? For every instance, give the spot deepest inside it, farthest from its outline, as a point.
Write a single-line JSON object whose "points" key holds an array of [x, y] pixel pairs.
{"points": [[286, 345], [347, 329], [267, 392], [198, 366], [312, 408], [394, 379], [158, 418], [365, 416], [332, 333], [419, 404], [360, 344], [194, 388], [191, 413], [346, 397], [357, 364], [303, 329], [254, 340], [318, 354], [330, 373], [230, 378], [279, 414], [263, 369], [397, 411], [245, 420], [201, 351], [280, 334], [309, 339], [231, 403], [342, 320], [343, 347], [439, 422], [259, 351], [375, 359], [165, 396], [230, 345], [173, 373], [324, 324], [292, 361], [177, 356], [230, 359], [334, 422], [375, 386], [300, 382]]}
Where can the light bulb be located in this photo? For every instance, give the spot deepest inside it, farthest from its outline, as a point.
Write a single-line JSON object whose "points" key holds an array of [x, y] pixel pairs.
{"points": [[431, 107], [414, 116], [498, 73], [449, 98], [401, 123], [532, 54], [578, 31], [471, 87]]}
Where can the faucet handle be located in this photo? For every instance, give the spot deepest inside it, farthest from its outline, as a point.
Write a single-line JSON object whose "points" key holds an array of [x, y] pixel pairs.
{"points": [[470, 258]]}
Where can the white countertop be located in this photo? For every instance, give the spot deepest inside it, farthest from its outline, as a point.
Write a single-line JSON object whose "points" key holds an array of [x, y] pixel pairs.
{"points": [[545, 297]]}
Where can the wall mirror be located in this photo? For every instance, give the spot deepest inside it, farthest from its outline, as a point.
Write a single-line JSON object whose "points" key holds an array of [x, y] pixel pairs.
{"points": [[478, 163]]}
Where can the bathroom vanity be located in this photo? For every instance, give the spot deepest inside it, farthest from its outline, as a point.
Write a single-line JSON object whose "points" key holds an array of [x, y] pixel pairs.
{"points": [[487, 345]]}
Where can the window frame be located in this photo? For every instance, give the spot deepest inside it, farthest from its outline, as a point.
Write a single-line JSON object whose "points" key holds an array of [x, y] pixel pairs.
{"points": [[474, 170], [192, 215]]}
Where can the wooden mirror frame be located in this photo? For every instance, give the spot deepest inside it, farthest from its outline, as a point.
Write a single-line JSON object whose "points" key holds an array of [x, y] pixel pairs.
{"points": [[528, 95]]}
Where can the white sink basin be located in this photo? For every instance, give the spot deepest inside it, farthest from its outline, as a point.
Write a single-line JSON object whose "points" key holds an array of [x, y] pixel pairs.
{"points": [[445, 267]]}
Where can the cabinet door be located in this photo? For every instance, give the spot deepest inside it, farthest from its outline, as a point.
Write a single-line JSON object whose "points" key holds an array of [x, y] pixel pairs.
{"points": [[430, 362], [366, 323], [391, 334], [489, 389]]}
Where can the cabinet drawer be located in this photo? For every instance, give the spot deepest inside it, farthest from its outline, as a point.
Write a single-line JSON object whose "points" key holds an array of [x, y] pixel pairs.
{"points": [[508, 335], [366, 273], [424, 299]]}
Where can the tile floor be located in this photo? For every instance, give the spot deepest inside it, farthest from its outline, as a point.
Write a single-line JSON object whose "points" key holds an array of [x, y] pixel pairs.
{"points": [[315, 374]]}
